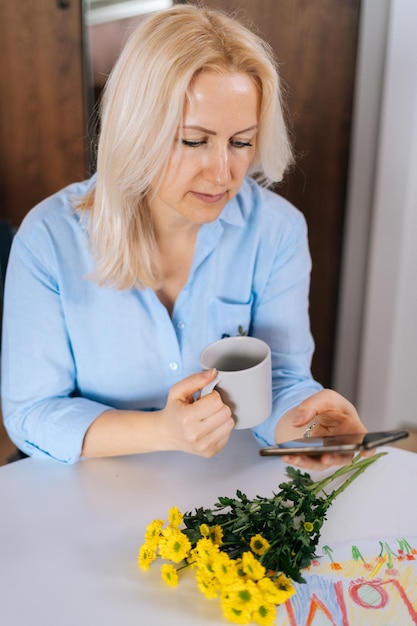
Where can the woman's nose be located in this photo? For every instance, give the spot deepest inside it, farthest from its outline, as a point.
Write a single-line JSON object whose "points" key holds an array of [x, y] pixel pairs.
{"points": [[218, 167]]}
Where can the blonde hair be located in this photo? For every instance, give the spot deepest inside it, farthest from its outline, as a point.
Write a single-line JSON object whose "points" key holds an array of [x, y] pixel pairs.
{"points": [[141, 112]]}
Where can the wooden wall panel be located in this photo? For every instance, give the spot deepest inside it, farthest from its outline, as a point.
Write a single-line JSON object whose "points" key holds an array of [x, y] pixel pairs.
{"points": [[42, 113], [315, 42]]}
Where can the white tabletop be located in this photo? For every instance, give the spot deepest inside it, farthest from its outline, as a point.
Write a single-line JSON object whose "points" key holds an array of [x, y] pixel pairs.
{"points": [[69, 535]]}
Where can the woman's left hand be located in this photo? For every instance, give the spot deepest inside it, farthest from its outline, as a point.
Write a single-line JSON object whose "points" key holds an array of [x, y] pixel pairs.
{"points": [[327, 413]]}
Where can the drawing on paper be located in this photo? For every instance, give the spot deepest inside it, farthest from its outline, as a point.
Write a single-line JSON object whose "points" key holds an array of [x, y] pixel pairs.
{"points": [[371, 582]]}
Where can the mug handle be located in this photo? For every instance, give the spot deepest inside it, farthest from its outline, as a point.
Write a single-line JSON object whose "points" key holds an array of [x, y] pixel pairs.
{"points": [[209, 387]]}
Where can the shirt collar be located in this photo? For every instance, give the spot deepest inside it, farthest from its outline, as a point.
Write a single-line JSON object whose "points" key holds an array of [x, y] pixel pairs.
{"points": [[233, 212]]}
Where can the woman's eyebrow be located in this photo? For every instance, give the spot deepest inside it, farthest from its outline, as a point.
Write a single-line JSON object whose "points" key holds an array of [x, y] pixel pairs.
{"points": [[212, 132]]}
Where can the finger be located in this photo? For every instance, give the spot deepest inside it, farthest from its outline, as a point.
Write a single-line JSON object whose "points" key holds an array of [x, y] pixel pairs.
{"points": [[185, 389], [215, 439], [198, 420], [212, 412], [318, 463], [331, 408], [368, 453], [325, 401]]}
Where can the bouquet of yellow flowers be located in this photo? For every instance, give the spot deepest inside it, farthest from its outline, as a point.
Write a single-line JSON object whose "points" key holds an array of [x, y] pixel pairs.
{"points": [[248, 552]]}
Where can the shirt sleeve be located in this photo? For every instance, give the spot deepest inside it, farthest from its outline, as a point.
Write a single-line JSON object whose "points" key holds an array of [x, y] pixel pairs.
{"points": [[281, 318], [41, 410]]}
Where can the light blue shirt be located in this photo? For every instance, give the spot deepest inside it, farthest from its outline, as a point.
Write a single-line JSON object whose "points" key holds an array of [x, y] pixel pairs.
{"points": [[72, 349]]}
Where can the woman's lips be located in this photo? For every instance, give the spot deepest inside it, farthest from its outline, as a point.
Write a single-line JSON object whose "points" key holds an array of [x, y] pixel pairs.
{"points": [[209, 198]]}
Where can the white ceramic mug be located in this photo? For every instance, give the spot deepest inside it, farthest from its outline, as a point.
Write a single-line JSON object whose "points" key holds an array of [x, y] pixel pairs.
{"points": [[244, 378]]}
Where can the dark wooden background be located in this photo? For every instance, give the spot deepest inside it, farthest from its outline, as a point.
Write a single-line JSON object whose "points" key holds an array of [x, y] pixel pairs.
{"points": [[42, 96]]}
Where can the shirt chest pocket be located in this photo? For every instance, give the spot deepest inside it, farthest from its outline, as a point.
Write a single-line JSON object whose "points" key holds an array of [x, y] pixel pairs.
{"points": [[228, 319]]}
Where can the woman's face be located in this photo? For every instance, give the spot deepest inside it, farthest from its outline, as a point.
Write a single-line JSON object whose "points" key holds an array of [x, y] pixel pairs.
{"points": [[212, 151]]}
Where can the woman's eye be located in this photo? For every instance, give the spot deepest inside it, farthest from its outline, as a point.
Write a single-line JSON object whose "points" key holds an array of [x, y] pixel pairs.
{"points": [[192, 144], [241, 144], [200, 142]]}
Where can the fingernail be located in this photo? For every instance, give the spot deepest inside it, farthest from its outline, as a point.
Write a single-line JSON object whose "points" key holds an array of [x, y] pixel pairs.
{"points": [[209, 373]]}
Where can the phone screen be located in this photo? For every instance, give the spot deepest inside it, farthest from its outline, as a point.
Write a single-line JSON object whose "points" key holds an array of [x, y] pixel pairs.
{"points": [[316, 446]]}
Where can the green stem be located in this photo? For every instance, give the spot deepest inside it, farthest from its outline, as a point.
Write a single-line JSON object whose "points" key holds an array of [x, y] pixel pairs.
{"points": [[181, 567], [347, 482], [358, 465]]}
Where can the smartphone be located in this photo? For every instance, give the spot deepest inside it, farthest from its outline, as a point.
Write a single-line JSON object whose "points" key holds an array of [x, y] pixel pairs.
{"points": [[316, 446]]}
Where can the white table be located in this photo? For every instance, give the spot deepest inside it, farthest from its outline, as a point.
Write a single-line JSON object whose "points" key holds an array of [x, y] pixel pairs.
{"points": [[69, 535]]}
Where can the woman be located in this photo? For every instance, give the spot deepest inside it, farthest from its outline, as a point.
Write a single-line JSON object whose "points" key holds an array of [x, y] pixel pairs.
{"points": [[116, 284]]}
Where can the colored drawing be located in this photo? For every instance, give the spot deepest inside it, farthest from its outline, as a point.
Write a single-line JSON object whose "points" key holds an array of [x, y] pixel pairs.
{"points": [[371, 583]]}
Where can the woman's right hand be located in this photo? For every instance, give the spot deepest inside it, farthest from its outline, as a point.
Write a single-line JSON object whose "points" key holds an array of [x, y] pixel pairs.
{"points": [[201, 426]]}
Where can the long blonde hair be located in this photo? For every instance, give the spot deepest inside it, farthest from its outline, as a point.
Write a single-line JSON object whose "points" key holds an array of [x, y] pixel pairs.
{"points": [[141, 112]]}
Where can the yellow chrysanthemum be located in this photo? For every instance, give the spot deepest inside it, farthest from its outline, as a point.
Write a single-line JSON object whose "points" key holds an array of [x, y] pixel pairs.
{"points": [[285, 589], [243, 595], [169, 574], [153, 531], [146, 555], [240, 571], [216, 534], [174, 545], [308, 527], [265, 615], [225, 569], [252, 567], [259, 545], [269, 590], [205, 550], [236, 615], [175, 517], [207, 566], [206, 583], [204, 530]]}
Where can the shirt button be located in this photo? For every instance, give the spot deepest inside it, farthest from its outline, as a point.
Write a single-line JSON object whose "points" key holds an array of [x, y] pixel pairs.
{"points": [[181, 325], [173, 366]]}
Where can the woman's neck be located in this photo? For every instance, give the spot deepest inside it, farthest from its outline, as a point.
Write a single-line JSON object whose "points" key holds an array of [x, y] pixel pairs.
{"points": [[176, 249]]}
